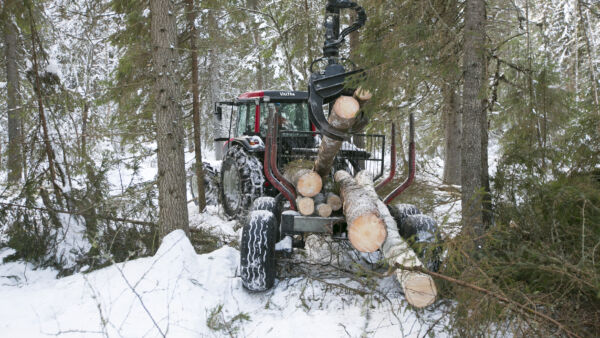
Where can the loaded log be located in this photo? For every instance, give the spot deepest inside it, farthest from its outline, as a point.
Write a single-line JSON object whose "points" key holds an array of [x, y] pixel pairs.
{"points": [[366, 228], [334, 201], [306, 205], [324, 210], [307, 182], [419, 288]]}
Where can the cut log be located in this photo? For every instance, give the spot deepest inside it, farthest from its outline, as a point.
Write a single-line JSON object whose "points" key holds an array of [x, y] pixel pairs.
{"points": [[306, 205], [334, 201], [362, 94], [324, 210], [342, 117], [307, 182], [366, 229], [419, 288]]}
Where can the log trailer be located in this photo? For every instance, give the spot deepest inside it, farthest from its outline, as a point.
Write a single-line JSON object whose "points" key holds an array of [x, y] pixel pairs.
{"points": [[288, 170]]}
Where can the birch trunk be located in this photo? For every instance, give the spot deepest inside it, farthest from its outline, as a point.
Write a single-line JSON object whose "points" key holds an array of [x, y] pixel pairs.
{"points": [[419, 288], [366, 228]]}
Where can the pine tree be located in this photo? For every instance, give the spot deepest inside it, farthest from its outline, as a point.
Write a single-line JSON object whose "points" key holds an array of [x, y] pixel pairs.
{"points": [[173, 212]]}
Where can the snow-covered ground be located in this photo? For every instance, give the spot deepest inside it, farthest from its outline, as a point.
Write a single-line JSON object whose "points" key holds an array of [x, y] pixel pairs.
{"points": [[179, 293]]}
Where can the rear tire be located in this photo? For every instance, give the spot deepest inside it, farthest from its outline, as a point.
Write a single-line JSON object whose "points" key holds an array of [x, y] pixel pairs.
{"points": [[211, 185], [400, 212], [242, 182], [426, 239], [257, 251]]}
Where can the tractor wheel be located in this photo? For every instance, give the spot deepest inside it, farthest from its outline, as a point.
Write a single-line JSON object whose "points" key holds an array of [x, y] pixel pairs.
{"points": [[211, 185], [425, 240], [257, 251], [267, 203], [241, 182], [400, 212]]}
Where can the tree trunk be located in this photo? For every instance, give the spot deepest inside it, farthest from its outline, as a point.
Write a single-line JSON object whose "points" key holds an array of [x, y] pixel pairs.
{"points": [[15, 159], [366, 228], [191, 16], [451, 135], [473, 117], [342, 117], [173, 213], [253, 4], [38, 91], [419, 288]]}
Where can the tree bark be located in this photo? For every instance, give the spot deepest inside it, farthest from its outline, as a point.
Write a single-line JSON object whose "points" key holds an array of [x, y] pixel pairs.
{"points": [[173, 213], [366, 228], [342, 117], [452, 135], [253, 4], [419, 288], [473, 118], [191, 16], [15, 159]]}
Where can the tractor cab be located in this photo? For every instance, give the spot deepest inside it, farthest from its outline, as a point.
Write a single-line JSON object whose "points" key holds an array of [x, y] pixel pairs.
{"points": [[247, 126]]}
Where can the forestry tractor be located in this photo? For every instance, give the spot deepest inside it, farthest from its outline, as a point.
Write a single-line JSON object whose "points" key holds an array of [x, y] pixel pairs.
{"points": [[288, 170]]}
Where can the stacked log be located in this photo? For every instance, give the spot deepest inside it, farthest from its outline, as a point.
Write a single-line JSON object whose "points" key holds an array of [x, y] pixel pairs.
{"points": [[366, 228]]}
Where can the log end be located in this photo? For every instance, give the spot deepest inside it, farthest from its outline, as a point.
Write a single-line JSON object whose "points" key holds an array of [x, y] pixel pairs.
{"points": [[362, 94], [346, 107], [309, 184], [419, 289], [306, 205], [367, 232], [334, 201], [324, 210]]}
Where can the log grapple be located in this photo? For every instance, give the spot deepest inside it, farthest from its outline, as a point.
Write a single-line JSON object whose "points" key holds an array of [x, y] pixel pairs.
{"points": [[328, 84]]}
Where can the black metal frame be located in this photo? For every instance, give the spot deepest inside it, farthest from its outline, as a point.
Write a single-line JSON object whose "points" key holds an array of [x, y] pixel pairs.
{"points": [[326, 86], [295, 145]]}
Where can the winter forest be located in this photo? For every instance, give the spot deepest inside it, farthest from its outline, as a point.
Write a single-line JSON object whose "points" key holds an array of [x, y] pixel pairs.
{"points": [[331, 168]]}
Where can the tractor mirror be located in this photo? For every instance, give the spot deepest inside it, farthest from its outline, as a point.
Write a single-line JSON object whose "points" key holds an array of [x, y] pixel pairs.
{"points": [[219, 113]]}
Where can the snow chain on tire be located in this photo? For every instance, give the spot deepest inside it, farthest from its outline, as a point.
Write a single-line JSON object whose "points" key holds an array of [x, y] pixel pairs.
{"points": [[250, 171], [257, 251], [211, 185]]}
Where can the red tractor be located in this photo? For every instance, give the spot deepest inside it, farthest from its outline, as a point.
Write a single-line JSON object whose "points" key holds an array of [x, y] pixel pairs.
{"points": [[269, 129]]}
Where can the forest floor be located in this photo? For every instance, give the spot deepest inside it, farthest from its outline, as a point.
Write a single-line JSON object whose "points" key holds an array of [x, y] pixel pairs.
{"points": [[180, 293], [185, 290]]}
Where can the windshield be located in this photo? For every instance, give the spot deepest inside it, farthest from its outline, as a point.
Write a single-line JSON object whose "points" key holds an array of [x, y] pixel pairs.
{"points": [[292, 116]]}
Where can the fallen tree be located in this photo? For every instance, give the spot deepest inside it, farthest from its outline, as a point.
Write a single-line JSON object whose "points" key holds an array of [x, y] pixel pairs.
{"points": [[366, 228], [419, 288]]}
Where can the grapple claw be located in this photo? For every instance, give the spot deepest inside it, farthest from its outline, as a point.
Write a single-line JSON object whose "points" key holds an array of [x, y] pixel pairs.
{"points": [[324, 87]]}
